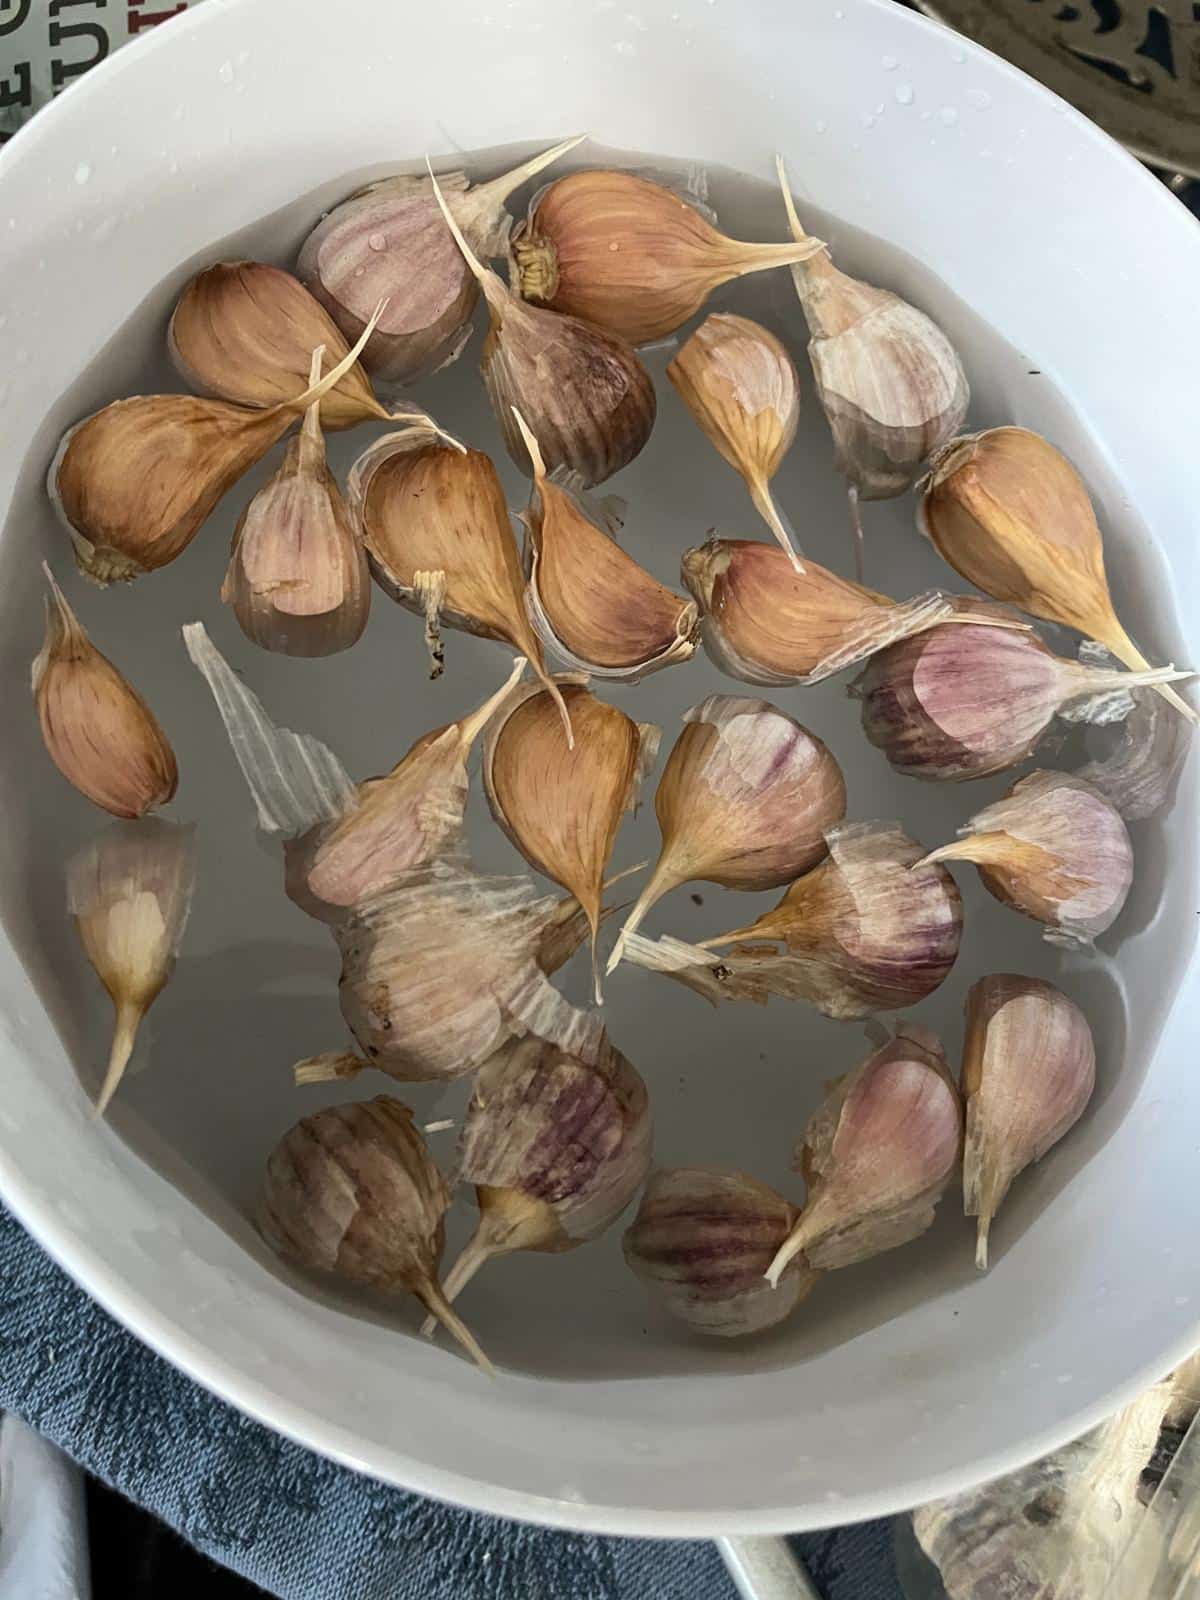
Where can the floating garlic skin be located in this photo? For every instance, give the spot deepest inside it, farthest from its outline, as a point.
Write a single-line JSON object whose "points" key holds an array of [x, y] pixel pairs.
{"points": [[97, 729], [129, 892], [877, 1156], [1029, 1069], [352, 1190], [765, 623], [628, 254], [1053, 849], [703, 1239]]}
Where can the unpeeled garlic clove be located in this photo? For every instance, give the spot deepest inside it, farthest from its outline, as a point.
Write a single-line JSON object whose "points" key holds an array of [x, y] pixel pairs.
{"points": [[741, 386], [556, 1148], [877, 1156], [562, 806], [297, 580], [629, 255], [889, 380], [353, 1191], [245, 331], [585, 395], [1029, 1068], [389, 242], [703, 1239], [764, 622], [1053, 849], [961, 701], [98, 731], [592, 604], [129, 892], [744, 800], [135, 482], [1010, 512]]}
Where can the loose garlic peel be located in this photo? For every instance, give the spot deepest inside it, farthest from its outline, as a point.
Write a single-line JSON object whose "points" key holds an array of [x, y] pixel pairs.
{"points": [[1029, 1069], [877, 1156], [741, 386], [129, 892], [1138, 775], [98, 731], [703, 1239], [562, 806], [134, 483], [1054, 849], [744, 800], [765, 623], [555, 1147], [353, 1191], [591, 603], [1010, 513], [584, 393]]}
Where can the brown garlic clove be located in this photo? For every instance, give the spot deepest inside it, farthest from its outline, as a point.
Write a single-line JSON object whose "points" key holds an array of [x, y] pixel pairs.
{"points": [[744, 800], [135, 482], [353, 1191], [871, 928], [962, 701], [704, 1237], [562, 806], [129, 892], [98, 731], [629, 255], [1011, 514], [592, 604], [764, 622], [298, 581], [244, 331], [556, 1148], [1053, 849], [741, 386], [877, 1156], [585, 395], [889, 380], [388, 242], [1029, 1068]]}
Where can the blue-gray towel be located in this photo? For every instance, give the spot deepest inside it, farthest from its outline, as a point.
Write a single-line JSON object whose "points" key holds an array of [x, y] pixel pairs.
{"points": [[299, 1526]]}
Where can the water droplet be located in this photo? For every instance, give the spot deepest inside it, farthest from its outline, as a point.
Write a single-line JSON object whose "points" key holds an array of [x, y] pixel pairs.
{"points": [[868, 121], [114, 149], [103, 228], [179, 113], [625, 47], [905, 94], [377, 241], [925, 116], [225, 72], [880, 109], [243, 56], [634, 21], [172, 167], [838, 15], [958, 57], [949, 116], [12, 222], [979, 98], [821, 125], [890, 63], [22, 356], [1183, 1299], [82, 173], [1065, 1377]]}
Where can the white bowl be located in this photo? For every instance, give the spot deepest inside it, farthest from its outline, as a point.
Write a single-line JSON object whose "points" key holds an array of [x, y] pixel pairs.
{"points": [[905, 1379]]}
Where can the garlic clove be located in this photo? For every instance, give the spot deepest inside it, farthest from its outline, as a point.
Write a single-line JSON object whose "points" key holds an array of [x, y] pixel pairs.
{"points": [[389, 242], [1053, 849], [1029, 1068], [877, 1155], [744, 800], [629, 255], [298, 580], [556, 1148], [741, 386], [98, 731], [592, 604], [562, 806], [585, 395], [130, 892], [1011, 514], [890, 382], [135, 482], [703, 1239], [244, 331], [1138, 776], [353, 1191], [765, 623]]}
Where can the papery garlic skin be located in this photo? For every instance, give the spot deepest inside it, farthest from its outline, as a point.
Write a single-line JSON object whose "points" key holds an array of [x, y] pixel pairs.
{"points": [[703, 1239], [1029, 1069], [352, 1190], [1053, 849], [877, 1156], [1139, 775], [130, 891], [97, 729]]}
